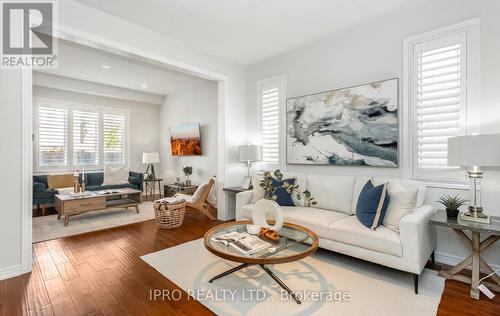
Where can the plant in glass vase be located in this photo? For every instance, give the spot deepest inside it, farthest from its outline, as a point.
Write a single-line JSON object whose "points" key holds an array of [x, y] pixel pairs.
{"points": [[270, 191], [188, 170]]}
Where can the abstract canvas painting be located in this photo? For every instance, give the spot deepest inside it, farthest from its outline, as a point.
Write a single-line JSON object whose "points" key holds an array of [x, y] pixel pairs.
{"points": [[355, 126], [185, 140]]}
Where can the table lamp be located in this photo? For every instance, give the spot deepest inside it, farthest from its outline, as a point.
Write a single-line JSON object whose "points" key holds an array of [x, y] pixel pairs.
{"points": [[473, 152], [249, 154], [150, 159]]}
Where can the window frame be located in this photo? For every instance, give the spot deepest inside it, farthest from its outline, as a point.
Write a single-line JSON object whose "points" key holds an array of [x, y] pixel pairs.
{"points": [[71, 106], [281, 82], [470, 123]]}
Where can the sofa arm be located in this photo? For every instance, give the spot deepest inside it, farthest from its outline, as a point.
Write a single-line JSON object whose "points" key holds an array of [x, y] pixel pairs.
{"points": [[136, 179], [39, 187], [418, 237], [242, 198]]}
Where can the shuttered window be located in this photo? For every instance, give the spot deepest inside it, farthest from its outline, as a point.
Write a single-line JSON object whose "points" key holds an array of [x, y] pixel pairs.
{"points": [[85, 138], [70, 137], [271, 95], [114, 139], [441, 99], [441, 77], [52, 137]]}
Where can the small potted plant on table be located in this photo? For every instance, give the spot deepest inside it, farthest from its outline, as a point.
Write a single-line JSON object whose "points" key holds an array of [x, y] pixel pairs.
{"points": [[452, 204], [188, 170]]}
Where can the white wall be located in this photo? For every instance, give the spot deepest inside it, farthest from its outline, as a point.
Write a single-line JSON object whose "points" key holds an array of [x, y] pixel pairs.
{"points": [[373, 51], [109, 30], [196, 104], [10, 167], [143, 120]]}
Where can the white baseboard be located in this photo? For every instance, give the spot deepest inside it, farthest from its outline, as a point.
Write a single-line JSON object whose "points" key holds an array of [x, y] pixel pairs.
{"points": [[10, 272], [454, 260]]}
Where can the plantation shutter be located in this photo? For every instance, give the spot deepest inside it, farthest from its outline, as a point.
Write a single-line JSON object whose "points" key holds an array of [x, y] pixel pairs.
{"points": [[85, 138], [114, 139], [52, 135], [271, 97], [439, 98]]}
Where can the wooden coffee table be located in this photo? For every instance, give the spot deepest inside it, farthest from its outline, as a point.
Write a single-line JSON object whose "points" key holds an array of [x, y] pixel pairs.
{"points": [[296, 242], [69, 205]]}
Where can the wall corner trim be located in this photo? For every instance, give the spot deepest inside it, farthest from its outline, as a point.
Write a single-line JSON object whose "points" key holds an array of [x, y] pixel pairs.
{"points": [[10, 272]]}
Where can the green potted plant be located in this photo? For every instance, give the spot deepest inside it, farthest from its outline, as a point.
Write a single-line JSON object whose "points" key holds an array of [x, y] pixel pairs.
{"points": [[269, 190], [188, 170], [452, 204]]}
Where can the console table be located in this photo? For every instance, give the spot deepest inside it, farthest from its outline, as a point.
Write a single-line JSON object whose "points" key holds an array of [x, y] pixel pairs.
{"points": [[174, 188], [150, 187], [477, 263]]}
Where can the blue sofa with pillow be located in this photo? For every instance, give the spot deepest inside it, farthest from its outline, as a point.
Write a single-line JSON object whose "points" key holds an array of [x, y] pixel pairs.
{"points": [[42, 194]]}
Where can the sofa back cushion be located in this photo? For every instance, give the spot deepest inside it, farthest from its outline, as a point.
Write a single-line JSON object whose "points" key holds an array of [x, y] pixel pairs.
{"points": [[406, 184], [57, 181], [94, 178], [332, 192]]}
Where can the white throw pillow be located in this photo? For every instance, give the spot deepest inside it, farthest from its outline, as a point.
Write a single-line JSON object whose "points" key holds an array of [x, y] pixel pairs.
{"points": [[258, 192], [114, 176], [197, 194], [401, 203]]}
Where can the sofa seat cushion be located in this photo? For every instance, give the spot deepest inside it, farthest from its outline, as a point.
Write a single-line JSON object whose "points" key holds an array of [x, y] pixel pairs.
{"points": [[350, 231], [317, 220], [48, 193]]}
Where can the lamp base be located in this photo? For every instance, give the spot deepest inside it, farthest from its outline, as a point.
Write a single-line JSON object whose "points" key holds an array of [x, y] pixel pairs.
{"points": [[475, 217]]}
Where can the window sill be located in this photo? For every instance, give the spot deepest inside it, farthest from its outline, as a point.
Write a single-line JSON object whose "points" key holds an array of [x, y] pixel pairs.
{"points": [[444, 183]]}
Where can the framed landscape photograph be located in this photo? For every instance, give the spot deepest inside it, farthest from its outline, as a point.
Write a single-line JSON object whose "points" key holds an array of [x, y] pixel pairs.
{"points": [[355, 126], [185, 140]]}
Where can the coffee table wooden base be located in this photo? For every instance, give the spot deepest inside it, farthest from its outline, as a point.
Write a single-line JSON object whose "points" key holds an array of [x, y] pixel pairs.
{"points": [[267, 270]]}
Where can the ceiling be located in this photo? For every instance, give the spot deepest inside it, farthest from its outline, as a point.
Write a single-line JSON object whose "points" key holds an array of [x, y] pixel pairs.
{"points": [[246, 31], [84, 63]]}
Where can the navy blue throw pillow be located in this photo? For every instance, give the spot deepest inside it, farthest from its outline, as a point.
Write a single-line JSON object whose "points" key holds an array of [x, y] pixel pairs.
{"points": [[283, 198], [372, 204]]}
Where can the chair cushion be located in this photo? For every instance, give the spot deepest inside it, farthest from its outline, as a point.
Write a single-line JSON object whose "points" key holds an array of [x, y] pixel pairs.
{"points": [[350, 231], [372, 204], [49, 193], [332, 192], [317, 220]]}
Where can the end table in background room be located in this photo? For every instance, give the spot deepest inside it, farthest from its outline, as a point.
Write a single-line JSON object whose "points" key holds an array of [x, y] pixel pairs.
{"points": [[150, 187], [174, 188], [475, 260]]}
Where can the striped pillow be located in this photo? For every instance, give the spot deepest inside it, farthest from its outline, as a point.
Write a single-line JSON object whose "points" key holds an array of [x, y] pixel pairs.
{"points": [[372, 204]]}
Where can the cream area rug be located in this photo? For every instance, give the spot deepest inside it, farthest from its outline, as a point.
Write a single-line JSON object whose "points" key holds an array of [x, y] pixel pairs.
{"points": [[372, 289], [49, 227]]}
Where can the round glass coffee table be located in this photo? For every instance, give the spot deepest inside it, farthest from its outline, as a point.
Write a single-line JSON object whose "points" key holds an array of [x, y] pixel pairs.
{"points": [[295, 243]]}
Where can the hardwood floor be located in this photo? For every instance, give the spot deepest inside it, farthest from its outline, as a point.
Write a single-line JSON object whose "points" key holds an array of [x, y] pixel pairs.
{"points": [[100, 273]]}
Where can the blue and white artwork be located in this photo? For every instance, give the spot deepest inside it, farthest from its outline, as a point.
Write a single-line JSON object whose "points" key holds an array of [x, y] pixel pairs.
{"points": [[356, 126]]}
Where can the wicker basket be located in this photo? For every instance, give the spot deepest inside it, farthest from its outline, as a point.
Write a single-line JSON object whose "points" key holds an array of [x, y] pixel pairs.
{"points": [[169, 215]]}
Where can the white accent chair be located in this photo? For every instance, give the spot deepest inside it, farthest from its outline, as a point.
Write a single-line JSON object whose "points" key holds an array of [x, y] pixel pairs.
{"points": [[333, 219]]}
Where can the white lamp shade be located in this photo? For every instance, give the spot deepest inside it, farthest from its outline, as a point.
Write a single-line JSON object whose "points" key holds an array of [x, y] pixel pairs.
{"points": [[474, 150], [151, 157], [250, 153]]}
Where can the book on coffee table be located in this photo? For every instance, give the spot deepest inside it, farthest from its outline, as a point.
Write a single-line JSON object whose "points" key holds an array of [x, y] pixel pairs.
{"points": [[243, 242]]}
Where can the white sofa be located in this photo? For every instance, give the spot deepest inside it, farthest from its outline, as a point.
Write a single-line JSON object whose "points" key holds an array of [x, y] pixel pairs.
{"points": [[334, 221]]}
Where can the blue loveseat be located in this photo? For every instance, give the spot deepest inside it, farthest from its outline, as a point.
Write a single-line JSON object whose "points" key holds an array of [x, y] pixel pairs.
{"points": [[93, 182]]}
